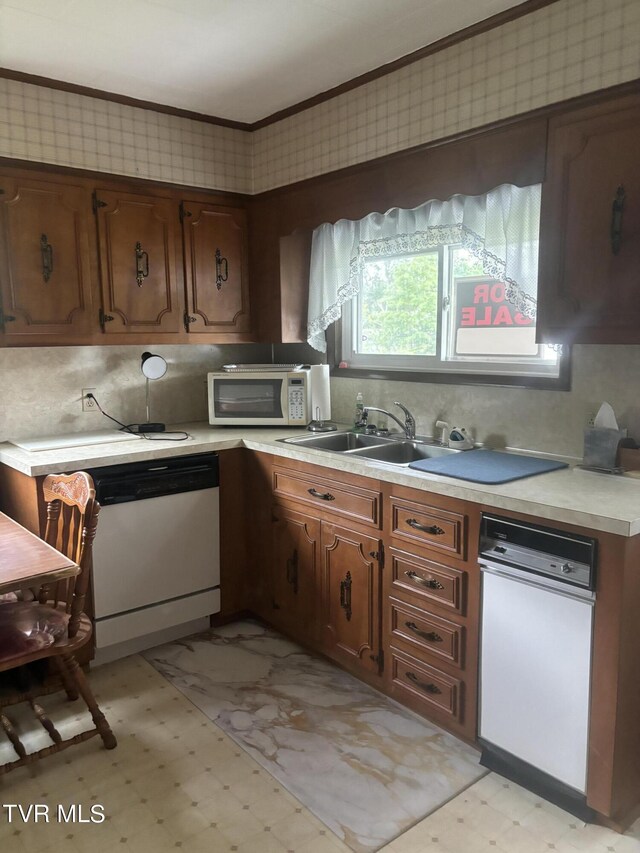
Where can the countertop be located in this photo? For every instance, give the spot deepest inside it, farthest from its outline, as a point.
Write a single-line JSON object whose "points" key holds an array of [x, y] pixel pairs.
{"points": [[595, 501]]}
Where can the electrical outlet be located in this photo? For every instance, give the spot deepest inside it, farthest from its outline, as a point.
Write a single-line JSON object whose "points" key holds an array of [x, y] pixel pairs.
{"points": [[591, 420], [88, 403]]}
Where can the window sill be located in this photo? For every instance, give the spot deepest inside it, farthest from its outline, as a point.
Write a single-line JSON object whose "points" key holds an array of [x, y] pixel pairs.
{"points": [[543, 383]]}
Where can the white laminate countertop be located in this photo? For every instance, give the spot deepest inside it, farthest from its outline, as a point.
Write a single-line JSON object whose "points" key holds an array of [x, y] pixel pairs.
{"points": [[595, 501]]}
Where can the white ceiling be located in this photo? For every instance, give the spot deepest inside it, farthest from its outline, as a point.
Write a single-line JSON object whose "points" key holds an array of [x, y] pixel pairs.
{"points": [[236, 59]]}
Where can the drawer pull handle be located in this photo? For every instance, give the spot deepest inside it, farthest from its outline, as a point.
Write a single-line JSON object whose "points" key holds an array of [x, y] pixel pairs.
{"points": [[345, 595], [423, 685], [431, 636], [430, 583], [433, 529], [325, 496]]}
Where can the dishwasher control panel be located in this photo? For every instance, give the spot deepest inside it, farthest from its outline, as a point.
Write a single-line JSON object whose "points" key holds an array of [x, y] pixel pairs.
{"points": [[540, 550]]}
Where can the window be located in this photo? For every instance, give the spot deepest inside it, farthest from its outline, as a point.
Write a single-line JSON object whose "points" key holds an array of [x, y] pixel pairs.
{"points": [[447, 288], [439, 311]]}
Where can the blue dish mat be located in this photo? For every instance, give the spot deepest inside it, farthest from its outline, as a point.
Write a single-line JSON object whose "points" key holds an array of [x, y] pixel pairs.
{"points": [[487, 466]]}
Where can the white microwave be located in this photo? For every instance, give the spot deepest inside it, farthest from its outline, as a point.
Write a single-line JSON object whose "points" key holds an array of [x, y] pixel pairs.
{"points": [[260, 398]]}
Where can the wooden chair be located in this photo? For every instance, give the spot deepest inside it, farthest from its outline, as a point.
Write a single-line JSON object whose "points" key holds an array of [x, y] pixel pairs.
{"points": [[72, 515]]}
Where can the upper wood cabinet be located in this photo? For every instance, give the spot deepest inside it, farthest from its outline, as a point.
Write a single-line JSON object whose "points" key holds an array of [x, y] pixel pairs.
{"points": [[80, 265], [138, 237], [215, 266], [590, 227], [45, 270]]}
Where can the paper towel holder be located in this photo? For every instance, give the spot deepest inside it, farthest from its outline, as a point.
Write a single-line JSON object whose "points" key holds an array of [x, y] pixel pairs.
{"points": [[318, 425], [320, 399]]}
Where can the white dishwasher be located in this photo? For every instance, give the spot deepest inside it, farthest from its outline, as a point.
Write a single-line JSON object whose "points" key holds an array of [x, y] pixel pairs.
{"points": [[156, 556], [536, 639]]}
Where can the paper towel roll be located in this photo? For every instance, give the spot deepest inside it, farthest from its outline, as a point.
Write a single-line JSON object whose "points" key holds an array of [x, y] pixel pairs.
{"points": [[320, 392]]}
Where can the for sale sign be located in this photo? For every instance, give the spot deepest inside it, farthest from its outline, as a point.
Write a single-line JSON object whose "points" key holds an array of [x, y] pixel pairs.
{"points": [[485, 324]]}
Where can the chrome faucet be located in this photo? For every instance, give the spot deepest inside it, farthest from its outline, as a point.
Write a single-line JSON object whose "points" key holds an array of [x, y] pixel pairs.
{"points": [[409, 425]]}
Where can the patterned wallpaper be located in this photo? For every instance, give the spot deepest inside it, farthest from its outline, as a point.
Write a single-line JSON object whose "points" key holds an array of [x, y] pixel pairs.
{"points": [[563, 50], [566, 49], [43, 124]]}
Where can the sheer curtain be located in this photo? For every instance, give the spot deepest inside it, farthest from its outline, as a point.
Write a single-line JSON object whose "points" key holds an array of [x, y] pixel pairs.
{"points": [[500, 228]]}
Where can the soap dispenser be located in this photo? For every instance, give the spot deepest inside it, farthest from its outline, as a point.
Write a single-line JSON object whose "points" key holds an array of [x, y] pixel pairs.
{"points": [[359, 420]]}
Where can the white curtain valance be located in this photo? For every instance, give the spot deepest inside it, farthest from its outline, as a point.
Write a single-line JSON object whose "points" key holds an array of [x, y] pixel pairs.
{"points": [[500, 228]]}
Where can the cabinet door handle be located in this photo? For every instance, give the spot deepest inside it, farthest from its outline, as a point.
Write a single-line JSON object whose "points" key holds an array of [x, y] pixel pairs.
{"points": [[324, 496], [433, 529], [345, 595], [221, 276], [292, 571], [46, 250], [428, 687], [430, 583], [104, 318], [430, 636], [142, 264], [617, 210]]}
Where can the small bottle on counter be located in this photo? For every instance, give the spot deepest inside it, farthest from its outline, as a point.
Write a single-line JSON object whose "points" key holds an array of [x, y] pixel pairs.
{"points": [[359, 423]]}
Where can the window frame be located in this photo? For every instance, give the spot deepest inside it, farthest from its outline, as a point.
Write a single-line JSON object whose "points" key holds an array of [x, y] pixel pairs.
{"points": [[407, 368]]}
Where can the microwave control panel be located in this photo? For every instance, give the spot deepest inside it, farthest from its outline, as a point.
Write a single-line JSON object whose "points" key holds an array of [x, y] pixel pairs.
{"points": [[297, 407]]}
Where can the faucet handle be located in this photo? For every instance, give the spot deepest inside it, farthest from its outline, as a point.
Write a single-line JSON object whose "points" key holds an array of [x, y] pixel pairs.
{"points": [[410, 421], [406, 411]]}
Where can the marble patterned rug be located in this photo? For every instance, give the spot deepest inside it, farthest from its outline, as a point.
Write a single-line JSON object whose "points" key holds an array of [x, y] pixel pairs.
{"points": [[365, 766]]}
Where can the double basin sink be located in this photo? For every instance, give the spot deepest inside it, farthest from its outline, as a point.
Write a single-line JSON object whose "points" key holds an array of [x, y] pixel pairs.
{"points": [[393, 451]]}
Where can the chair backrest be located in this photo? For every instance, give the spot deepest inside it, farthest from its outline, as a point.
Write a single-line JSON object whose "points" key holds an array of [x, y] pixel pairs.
{"points": [[72, 518]]}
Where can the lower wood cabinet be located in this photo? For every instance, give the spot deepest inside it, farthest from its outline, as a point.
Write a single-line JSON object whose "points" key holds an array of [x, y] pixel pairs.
{"points": [[431, 606], [351, 594], [426, 689], [295, 579]]}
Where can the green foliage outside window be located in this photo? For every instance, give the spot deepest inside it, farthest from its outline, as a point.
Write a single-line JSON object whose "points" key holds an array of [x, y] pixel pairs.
{"points": [[399, 305]]}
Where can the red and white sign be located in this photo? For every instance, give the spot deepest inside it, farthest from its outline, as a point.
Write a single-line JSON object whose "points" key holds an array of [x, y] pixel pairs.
{"points": [[486, 324]]}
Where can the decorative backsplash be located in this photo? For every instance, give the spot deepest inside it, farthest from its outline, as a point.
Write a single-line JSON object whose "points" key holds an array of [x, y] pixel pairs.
{"points": [[547, 421], [562, 50]]}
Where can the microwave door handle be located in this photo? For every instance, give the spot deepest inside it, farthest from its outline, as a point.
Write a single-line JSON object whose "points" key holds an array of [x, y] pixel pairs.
{"points": [[284, 397]]}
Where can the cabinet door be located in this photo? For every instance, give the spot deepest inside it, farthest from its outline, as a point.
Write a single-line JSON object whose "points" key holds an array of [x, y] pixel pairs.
{"points": [[215, 248], [351, 579], [590, 227], [45, 277], [295, 580], [138, 236]]}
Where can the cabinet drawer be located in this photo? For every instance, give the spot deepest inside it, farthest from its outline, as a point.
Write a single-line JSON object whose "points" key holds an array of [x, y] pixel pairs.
{"points": [[429, 583], [326, 495], [430, 527], [426, 633], [433, 689]]}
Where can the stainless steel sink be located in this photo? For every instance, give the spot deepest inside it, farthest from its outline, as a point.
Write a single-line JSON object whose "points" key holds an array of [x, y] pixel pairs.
{"points": [[404, 452], [339, 442], [392, 451]]}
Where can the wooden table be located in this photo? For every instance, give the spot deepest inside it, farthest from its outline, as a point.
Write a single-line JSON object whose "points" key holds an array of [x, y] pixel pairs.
{"points": [[27, 561]]}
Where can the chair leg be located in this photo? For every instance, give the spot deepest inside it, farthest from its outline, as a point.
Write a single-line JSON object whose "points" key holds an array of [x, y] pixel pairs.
{"points": [[103, 727], [67, 681]]}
